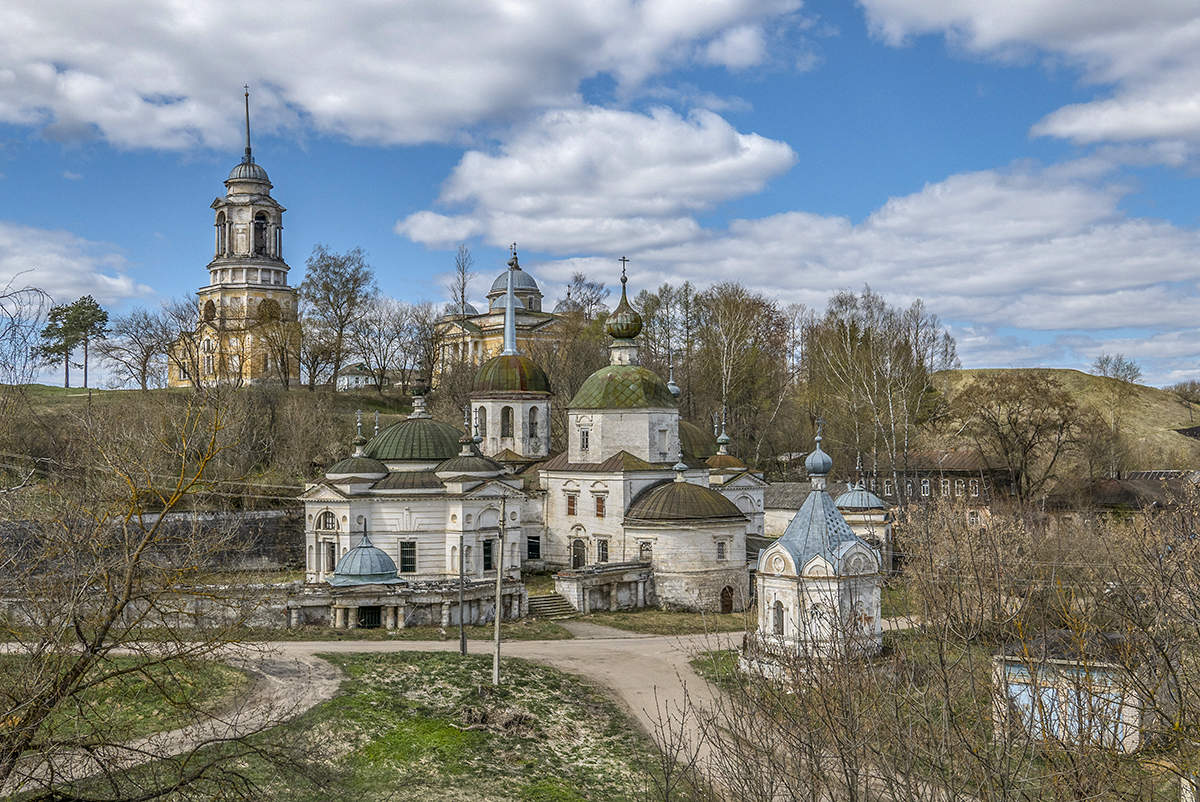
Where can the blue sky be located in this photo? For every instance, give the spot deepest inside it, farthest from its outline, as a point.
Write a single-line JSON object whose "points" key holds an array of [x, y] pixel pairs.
{"points": [[1028, 169]]}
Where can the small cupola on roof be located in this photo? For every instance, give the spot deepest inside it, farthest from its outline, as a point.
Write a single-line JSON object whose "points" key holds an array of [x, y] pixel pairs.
{"points": [[418, 438], [723, 459], [359, 464], [857, 497], [527, 294], [623, 384]]}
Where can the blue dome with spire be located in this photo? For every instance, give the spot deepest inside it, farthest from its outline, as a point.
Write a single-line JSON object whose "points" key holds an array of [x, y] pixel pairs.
{"points": [[365, 564], [818, 463]]}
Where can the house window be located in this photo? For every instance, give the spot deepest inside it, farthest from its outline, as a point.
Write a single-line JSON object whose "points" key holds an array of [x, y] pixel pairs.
{"points": [[481, 417], [973, 518], [599, 506], [330, 555], [908, 488], [487, 555], [327, 521], [645, 550], [408, 556], [974, 485], [533, 547], [959, 487], [533, 424], [584, 439], [945, 487], [721, 550], [887, 487], [572, 498], [506, 422], [601, 551], [924, 487]]}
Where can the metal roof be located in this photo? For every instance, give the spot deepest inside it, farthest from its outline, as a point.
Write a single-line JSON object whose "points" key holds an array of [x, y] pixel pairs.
{"points": [[248, 171], [409, 480], [818, 528], [357, 465], [521, 281], [511, 373], [365, 564], [623, 387], [681, 501], [786, 495], [415, 439], [695, 441], [857, 497], [619, 462]]}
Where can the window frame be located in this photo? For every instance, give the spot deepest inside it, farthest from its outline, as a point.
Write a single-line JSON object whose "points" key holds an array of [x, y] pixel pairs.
{"points": [[572, 504], [409, 546], [601, 505], [602, 550]]}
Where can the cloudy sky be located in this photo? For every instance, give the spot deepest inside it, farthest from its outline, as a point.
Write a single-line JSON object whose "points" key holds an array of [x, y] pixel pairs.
{"points": [[1028, 168]]}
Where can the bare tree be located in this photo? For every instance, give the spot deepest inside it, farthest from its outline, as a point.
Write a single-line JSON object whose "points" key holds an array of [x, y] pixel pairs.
{"points": [[134, 350], [376, 337], [317, 349], [175, 324], [1121, 376]]}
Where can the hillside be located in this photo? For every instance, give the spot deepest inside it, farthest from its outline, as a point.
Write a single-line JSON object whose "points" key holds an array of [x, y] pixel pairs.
{"points": [[1151, 418]]}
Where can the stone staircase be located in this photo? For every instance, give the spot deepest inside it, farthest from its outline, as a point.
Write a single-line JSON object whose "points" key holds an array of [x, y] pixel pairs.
{"points": [[551, 605]]}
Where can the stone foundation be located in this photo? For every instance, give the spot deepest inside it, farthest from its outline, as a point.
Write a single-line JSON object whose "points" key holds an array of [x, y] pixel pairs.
{"points": [[404, 605], [701, 590], [609, 586]]}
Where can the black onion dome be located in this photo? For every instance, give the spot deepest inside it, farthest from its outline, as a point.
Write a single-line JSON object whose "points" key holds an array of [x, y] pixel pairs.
{"points": [[624, 323], [415, 440], [511, 373], [681, 501]]}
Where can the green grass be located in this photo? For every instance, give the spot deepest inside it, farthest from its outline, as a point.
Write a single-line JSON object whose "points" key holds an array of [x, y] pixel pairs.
{"points": [[538, 584], [152, 699], [665, 622], [718, 667], [895, 599], [522, 629], [419, 726]]}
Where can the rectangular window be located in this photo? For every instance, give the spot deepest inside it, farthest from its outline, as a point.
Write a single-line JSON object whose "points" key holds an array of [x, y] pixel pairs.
{"points": [[533, 547], [599, 506], [924, 487], [330, 555], [584, 439], [945, 487], [959, 487], [601, 551], [662, 446], [908, 488], [487, 555], [887, 487], [974, 485], [571, 499], [721, 550], [408, 556], [973, 518]]}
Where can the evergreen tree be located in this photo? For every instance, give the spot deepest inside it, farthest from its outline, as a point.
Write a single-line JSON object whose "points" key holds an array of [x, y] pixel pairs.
{"points": [[59, 339], [89, 322]]}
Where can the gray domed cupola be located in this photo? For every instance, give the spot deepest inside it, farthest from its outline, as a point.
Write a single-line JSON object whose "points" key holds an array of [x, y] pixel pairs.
{"points": [[624, 325], [818, 464]]}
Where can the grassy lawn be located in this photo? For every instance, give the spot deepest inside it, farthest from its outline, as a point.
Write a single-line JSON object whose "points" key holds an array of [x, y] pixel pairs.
{"points": [[422, 726], [718, 666], [895, 600], [522, 629], [538, 584], [664, 622], [154, 699]]}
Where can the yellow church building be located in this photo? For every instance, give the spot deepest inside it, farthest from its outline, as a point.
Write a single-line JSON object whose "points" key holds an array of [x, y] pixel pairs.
{"points": [[246, 330]]}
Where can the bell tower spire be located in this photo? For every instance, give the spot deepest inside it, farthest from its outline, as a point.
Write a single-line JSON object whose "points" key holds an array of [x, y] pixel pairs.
{"points": [[247, 159]]}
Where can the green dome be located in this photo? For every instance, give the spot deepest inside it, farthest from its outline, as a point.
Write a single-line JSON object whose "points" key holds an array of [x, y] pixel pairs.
{"points": [[696, 443], [361, 466], [511, 374], [469, 463], [681, 501], [623, 387], [415, 440], [624, 323]]}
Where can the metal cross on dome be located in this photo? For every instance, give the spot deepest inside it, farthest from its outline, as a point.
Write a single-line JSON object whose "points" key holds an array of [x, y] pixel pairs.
{"points": [[820, 426], [513, 249]]}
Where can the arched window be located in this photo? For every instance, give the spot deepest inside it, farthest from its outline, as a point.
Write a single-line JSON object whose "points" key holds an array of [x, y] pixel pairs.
{"points": [[260, 234], [506, 422], [645, 551], [481, 419], [777, 622], [533, 424], [578, 553], [210, 310], [221, 234], [327, 521]]}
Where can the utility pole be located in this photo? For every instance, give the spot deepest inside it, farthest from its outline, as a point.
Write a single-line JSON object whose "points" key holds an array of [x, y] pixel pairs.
{"points": [[462, 630], [499, 582]]}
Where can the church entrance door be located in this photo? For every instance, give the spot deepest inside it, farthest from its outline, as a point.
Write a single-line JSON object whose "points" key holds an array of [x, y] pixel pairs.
{"points": [[726, 599], [578, 554]]}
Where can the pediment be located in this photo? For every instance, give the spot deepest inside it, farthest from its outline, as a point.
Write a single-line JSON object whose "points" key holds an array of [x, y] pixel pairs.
{"points": [[744, 479], [777, 562], [818, 566], [323, 492], [493, 488]]}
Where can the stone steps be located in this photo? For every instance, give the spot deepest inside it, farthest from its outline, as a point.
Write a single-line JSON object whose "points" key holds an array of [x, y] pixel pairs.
{"points": [[551, 605]]}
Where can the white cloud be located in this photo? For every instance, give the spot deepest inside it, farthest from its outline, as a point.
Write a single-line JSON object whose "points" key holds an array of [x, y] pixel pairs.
{"points": [[1148, 52], [601, 179], [64, 266], [70, 176], [166, 75], [737, 48]]}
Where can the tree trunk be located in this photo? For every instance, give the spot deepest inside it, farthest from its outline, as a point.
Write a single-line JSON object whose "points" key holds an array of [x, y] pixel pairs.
{"points": [[85, 362], [67, 370]]}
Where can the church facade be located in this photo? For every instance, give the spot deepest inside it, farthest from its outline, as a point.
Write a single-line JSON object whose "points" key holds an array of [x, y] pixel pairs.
{"points": [[630, 514], [246, 330]]}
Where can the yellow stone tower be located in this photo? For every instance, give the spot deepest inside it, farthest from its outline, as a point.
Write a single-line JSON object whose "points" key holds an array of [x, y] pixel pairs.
{"points": [[247, 331]]}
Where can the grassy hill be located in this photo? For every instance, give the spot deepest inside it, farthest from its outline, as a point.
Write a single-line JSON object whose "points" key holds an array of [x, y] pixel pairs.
{"points": [[1151, 418]]}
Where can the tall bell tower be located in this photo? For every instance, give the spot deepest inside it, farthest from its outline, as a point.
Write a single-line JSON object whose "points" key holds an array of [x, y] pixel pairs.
{"points": [[247, 331]]}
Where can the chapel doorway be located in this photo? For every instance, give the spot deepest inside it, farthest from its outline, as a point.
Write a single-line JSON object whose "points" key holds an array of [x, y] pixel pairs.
{"points": [[578, 553], [726, 599], [369, 617]]}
